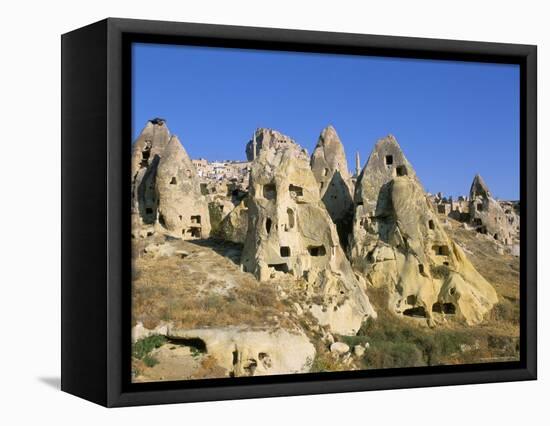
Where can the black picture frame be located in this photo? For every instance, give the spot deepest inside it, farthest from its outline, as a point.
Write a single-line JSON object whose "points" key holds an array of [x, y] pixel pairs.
{"points": [[96, 138]]}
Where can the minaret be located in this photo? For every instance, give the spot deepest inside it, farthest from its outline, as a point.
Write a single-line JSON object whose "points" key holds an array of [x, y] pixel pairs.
{"points": [[254, 146], [357, 164]]}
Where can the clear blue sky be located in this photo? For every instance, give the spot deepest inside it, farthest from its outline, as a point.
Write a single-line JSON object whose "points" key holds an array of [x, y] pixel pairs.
{"points": [[452, 119]]}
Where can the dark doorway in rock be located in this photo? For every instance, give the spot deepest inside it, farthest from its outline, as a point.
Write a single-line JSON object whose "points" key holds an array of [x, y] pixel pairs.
{"points": [[479, 207], [145, 154], [317, 251], [401, 171], [290, 214], [389, 160], [195, 232], [173, 181], [269, 191], [281, 267], [421, 268], [431, 224], [285, 251], [268, 225], [444, 308], [417, 311], [495, 236], [482, 229], [411, 299], [194, 342], [441, 250], [295, 191], [148, 210]]}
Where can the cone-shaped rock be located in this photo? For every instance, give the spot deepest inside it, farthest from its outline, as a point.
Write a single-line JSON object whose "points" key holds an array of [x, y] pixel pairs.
{"points": [[330, 168], [146, 153], [488, 217], [398, 242], [267, 138], [290, 232], [182, 209]]}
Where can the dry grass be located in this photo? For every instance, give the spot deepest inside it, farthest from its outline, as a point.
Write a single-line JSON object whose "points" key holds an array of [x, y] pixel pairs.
{"points": [[198, 291]]}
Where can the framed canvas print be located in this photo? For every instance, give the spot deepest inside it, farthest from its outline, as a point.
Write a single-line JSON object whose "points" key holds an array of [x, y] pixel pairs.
{"points": [[253, 212]]}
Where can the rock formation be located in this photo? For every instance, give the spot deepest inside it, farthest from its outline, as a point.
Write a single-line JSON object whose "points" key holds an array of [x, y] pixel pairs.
{"points": [[399, 242], [290, 232], [250, 352], [182, 209], [330, 168], [234, 225], [166, 193], [488, 217], [267, 138], [146, 153]]}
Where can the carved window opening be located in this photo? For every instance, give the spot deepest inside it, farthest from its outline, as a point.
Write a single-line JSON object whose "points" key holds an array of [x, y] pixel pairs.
{"points": [[401, 171], [285, 251], [281, 267], [173, 181], [295, 191], [269, 192], [441, 250], [431, 224], [444, 308], [268, 225], [291, 220], [417, 311], [196, 219], [389, 160], [316, 251]]}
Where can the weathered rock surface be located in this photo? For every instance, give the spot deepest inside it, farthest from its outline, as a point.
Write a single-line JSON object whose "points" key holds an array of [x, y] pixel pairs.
{"points": [[339, 348], [251, 352], [399, 242], [182, 209], [290, 231], [487, 215], [267, 138], [146, 153], [330, 168], [234, 226]]}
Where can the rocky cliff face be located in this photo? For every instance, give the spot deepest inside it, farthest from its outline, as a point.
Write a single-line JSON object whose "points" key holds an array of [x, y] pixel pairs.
{"points": [[267, 138], [488, 217], [398, 242], [330, 168], [146, 153], [182, 210], [290, 232], [166, 194]]}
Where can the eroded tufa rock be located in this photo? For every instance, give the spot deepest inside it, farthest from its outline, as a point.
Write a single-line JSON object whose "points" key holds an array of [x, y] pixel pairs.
{"points": [[330, 168], [399, 242], [146, 153], [182, 210], [487, 216], [253, 352], [267, 138], [290, 232]]}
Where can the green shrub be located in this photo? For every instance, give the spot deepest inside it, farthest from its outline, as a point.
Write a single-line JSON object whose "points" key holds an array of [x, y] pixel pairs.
{"points": [[144, 346], [150, 361]]}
